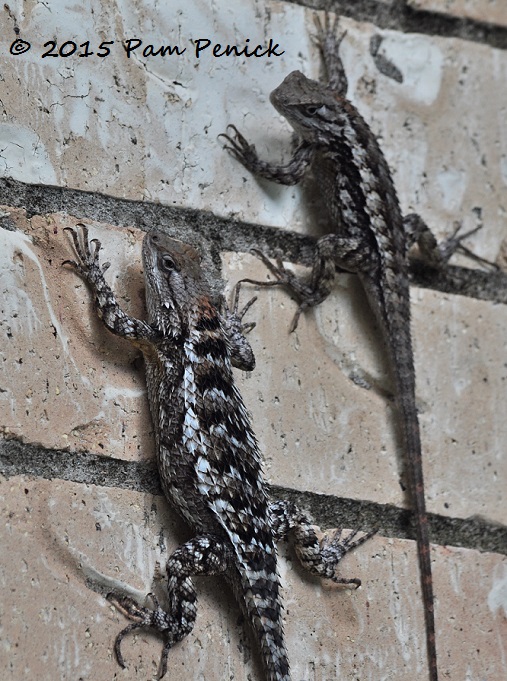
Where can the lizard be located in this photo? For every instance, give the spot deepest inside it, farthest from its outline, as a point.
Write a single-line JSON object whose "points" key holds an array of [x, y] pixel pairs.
{"points": [[207, 454], [371, 238]]}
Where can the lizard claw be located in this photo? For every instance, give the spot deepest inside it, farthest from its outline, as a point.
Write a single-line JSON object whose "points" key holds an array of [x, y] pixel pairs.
{"points": [[454, 243], [242, 356], [326, 38], [141, 617], [87, 265], [284, 277], [238, 146], [437, 254], [337, 547], [239, 314]]}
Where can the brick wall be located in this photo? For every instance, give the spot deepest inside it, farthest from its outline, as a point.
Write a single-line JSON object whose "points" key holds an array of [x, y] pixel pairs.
{"points": [[125, 144]]}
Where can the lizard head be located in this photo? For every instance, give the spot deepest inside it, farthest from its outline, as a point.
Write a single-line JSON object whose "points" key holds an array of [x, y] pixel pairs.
{"points": [[174, 281], [309, 107]]}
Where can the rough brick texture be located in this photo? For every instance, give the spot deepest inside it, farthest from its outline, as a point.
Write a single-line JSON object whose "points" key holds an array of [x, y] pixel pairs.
{"points": [[123, 143]]}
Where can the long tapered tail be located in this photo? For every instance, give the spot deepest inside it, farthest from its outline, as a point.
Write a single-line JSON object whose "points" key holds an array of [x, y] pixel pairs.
{"points": [[412, 439], [393, 314]]}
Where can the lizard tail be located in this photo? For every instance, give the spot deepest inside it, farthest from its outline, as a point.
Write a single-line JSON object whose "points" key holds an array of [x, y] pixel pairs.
{"points": [[260, 599], [411, 433]]}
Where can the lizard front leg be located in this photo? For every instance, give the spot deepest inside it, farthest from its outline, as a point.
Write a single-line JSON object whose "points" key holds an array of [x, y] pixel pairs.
{"points": [[288, 174], [90, 269], [240, 350], [329, 45]]}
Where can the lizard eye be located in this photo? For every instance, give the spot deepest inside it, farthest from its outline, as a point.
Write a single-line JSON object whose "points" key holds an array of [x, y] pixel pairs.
{"points": [[167, 263], [312, 110]]}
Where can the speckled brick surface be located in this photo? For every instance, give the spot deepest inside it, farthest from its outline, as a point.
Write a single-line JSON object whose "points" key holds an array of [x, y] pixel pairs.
{"points": [[59, 538], [145, 128]]}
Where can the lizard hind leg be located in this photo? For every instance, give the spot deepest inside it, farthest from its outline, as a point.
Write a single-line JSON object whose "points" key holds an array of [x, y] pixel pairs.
{"points": [[435, 253], [352, 254], [204, 555], [320, 557]]}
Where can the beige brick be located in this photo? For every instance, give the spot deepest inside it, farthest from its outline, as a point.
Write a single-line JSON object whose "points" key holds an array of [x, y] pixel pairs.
{"points": [[57, 535], [143, 127]]}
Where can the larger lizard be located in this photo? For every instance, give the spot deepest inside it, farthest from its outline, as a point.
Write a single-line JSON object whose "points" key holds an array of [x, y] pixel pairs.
{"points": [[207, 454], [370, 237]]}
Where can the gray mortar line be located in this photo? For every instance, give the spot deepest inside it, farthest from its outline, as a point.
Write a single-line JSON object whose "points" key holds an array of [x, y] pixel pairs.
{"points": [[224, 234], [22, 459], [398, 16]]}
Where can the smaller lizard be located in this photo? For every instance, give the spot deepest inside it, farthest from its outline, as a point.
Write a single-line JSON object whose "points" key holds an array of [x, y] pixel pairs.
{"points": [[370, 238], [207, 454]]}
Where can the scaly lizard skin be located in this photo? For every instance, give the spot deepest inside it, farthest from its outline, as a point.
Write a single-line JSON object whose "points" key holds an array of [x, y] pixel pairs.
{"points": [[371, 238], [207, 454]]}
